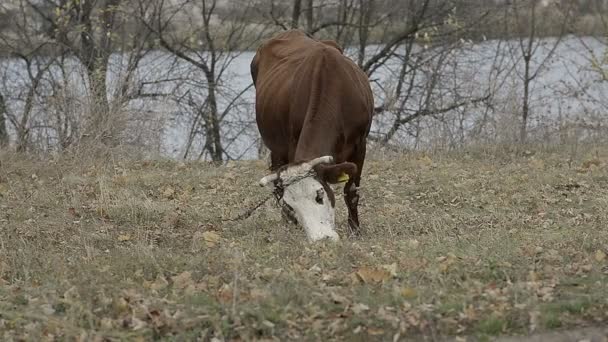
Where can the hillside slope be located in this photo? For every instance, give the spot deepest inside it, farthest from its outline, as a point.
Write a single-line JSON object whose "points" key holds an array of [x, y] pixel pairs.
{"points": [[469, 244]]}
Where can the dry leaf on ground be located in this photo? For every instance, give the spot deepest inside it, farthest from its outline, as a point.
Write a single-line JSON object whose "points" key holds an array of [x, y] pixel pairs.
{"points": [[600, 255], [359, 308], [391, 269], [338, 299], [211, 238], [370, 275], [169, 193], [408, 292], [182, 280], [124, 237]]}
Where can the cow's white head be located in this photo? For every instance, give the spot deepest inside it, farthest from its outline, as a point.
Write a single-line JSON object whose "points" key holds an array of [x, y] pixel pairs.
{"points": [[304, 191]]}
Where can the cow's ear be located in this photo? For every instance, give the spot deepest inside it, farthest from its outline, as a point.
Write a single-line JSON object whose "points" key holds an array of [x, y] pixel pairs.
{"points": [[333, 44], [336, 173]]}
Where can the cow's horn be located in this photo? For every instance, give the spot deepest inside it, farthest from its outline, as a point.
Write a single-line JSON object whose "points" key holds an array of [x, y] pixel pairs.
{"points": [[270, 178], [321, 160]]}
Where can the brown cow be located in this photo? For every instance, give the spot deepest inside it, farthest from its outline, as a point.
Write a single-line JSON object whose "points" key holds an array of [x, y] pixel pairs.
{"points": [[314, 111]]}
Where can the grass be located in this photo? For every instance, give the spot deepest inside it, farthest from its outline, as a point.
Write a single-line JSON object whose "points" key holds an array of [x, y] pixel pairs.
{"points": [[472, 243]]}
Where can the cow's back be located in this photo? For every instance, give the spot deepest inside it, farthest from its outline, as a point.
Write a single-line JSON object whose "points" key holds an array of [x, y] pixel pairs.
{"points": [[311, 100]]}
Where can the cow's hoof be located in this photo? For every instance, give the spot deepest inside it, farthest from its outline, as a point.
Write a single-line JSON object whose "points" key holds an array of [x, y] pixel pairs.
{"points": [[354, 229]]}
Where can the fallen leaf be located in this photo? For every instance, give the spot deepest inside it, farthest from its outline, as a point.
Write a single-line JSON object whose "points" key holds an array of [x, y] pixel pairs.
{"points": [[268, 324], [182, 280], [391, 269], [315, 269], [4, 268], [545, 293], [408, 292], [537, 164], [600, 255], [73, 212], [375, 331], [587, 164], [259, 294], [47, 309], [211, 238], [171, 220], [372, 275], [119, 179], [159, 284], [360, 308], [120, 305], [425, 161], [413, 243], [225, 293], [533, 276], [137, 324], [124, 237], [169, 193], [446, 261], [157, 318], [534, 320], [71, 294], [338, 299], [106, 323]]}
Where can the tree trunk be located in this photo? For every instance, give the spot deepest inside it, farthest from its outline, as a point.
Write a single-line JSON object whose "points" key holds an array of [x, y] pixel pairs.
{"points": [[525, 110], [3, 131], [528, 51], [95, 57], [366, 7], [214, 135], [295, 16], [100, 108], [23, 131], [309, 15]]}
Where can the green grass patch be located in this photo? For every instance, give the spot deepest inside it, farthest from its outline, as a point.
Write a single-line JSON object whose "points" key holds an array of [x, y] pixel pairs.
{"points": [[491, 325]]}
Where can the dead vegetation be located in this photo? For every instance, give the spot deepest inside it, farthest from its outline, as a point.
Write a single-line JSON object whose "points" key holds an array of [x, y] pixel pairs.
{"points": [[472, 244]]}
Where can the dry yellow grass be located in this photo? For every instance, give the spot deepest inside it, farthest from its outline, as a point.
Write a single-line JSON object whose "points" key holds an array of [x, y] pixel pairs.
{"points": [[465, 244]]}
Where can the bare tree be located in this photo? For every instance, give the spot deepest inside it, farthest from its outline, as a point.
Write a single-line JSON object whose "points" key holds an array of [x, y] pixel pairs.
{"points": [[92, 22], [296, 12], [423, 49], [22, 44], [307, 10], [529, 52], [210, 47], [84, 69], [4, 140], [91, 31]]}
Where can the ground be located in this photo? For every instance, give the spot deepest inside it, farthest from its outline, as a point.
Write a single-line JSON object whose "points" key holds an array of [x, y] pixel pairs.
{"points": [[467, 245]]}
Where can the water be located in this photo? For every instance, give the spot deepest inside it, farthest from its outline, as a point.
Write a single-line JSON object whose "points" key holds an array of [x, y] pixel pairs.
{"points": [[566, 89]]}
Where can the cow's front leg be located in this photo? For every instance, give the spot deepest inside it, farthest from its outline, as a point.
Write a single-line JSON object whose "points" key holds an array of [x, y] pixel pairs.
{"points": [[351, 197]]}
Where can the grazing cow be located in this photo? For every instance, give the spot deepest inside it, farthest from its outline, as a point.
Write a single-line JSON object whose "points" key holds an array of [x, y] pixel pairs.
{"points": [[314, 110]]}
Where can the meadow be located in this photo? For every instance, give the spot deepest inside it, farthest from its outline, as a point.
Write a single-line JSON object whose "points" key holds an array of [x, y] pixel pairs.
{"points": [[467, 245]]}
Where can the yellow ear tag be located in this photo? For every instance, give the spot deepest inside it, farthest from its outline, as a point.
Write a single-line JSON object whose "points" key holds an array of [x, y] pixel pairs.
{"points": [[343, 178]]}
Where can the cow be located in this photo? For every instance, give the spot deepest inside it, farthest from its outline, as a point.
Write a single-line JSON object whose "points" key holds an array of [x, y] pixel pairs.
{"points": [[314, 110]]}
